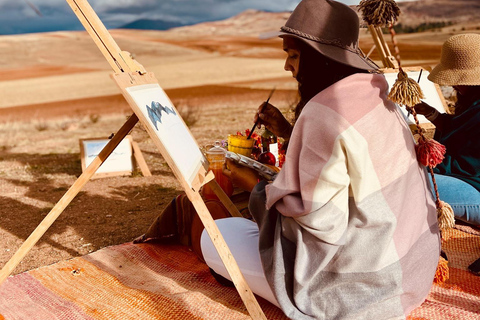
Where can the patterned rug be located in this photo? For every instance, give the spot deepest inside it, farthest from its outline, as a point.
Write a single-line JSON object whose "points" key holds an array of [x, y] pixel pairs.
{"points": [[148, 281], [459, 296]]}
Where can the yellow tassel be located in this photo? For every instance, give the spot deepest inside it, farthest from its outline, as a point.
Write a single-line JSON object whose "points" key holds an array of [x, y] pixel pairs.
{"points": [[405, 90], [379, 13], [446, 218], [442, 273]]}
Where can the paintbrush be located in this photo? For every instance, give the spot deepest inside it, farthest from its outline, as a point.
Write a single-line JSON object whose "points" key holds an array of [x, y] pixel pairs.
{"points": [[256, 122], [409, 112]]}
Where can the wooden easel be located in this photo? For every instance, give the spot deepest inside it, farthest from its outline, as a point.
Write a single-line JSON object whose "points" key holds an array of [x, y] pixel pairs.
{"points": [[388, 60], [129, 73]]}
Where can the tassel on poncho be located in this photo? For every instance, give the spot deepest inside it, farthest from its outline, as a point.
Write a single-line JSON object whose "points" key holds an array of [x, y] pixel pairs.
{"points": [[405, 90], [430, 153]]}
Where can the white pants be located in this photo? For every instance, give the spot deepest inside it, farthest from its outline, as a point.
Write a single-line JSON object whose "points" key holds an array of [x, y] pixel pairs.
{"points": [[241, 236]]}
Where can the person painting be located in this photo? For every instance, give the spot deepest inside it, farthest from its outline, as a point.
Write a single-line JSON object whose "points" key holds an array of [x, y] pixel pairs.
{"points": [[458, 176], [348, 229]]}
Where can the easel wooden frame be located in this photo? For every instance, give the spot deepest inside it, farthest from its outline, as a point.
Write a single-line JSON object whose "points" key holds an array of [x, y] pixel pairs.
{"points": [[136, 154], [128, 72], [388, 60]]}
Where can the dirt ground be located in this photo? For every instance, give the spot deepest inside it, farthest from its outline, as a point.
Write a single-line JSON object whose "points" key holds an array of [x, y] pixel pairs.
{"points": [[40, 160]]}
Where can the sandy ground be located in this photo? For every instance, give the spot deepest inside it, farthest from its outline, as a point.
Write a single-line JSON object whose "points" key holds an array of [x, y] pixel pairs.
{"points": [[39, 161], [56, 89]]}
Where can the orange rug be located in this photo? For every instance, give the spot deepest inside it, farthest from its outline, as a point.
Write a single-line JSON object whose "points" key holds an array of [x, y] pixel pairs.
{"points": [[149, 281], [459, 296]]}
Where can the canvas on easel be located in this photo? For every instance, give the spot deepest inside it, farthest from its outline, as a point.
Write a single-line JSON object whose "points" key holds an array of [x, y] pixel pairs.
{"points": [[431, 91], [170, 134]]}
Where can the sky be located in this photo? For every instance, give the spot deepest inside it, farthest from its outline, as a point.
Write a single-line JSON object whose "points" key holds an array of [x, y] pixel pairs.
{"points": [[24, 16]]}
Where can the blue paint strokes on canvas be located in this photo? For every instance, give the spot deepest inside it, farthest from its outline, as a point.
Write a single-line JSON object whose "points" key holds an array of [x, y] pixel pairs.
{"points": [[155, 112]]}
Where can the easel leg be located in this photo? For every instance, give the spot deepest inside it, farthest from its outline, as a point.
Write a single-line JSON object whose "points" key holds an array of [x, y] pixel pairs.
{"points": [[66, 199], [227, 258], [392, 63], [137, 153], [379, 45], [382, 47]]}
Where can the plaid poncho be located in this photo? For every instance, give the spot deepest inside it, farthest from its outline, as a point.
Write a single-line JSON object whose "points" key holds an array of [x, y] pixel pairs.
{"points": [[349, 230]]}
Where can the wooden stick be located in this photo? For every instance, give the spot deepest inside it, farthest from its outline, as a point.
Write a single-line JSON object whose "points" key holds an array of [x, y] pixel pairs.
{"points": [[232, 209], [391, 61], [378, 45], [137, 153], [227, 258], [66, 199], [99, 34], [382, 47], [371, 50]]}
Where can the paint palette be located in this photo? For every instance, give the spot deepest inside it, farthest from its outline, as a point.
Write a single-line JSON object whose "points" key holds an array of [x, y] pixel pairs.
{"points": [[264, 171]]}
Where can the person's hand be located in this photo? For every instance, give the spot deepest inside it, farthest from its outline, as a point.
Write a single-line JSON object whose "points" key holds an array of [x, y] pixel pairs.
{"points": [[423, 108], [273, 120], [241, 176], [428, 111]]}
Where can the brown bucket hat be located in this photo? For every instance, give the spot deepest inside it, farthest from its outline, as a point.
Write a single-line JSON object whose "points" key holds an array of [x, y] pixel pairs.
{"points": [[459, 63], [331, 28]]}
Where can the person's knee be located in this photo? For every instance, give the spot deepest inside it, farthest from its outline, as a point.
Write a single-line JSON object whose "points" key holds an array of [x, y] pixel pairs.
{"points": [[217, 211]]}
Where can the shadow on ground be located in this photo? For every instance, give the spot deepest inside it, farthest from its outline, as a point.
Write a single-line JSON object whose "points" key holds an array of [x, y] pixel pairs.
{"points": [[105, 212]]}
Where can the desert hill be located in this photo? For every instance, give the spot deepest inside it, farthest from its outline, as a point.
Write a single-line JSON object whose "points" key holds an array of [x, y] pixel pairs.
{"points": [[452, 11], [413, 13], [51, 67]]}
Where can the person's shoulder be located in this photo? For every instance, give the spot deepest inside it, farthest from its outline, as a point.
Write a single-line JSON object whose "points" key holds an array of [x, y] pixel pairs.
{"points": [[352, 97]]}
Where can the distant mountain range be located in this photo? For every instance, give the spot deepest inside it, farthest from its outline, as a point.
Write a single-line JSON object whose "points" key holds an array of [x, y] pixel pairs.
{"points": [[449, 11], [413, 13], [148, 24]]}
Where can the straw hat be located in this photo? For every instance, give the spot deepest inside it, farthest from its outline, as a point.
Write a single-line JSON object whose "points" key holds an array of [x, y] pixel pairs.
{"points": [[460, 62], [331, 28]]}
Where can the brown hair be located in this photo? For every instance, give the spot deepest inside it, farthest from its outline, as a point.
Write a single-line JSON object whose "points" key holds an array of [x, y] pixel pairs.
{"points": [[316, 72]]}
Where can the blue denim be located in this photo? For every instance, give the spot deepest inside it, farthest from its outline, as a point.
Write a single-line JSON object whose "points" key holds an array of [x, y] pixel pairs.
{"points": [[463, 197]]}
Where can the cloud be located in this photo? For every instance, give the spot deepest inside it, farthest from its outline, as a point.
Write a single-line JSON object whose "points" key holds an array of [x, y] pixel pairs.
{"points": [[124, 6], [17, 15]]}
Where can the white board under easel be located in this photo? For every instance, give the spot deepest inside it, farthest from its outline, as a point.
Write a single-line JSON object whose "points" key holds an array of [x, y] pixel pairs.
{"points": [[120, 161]]}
